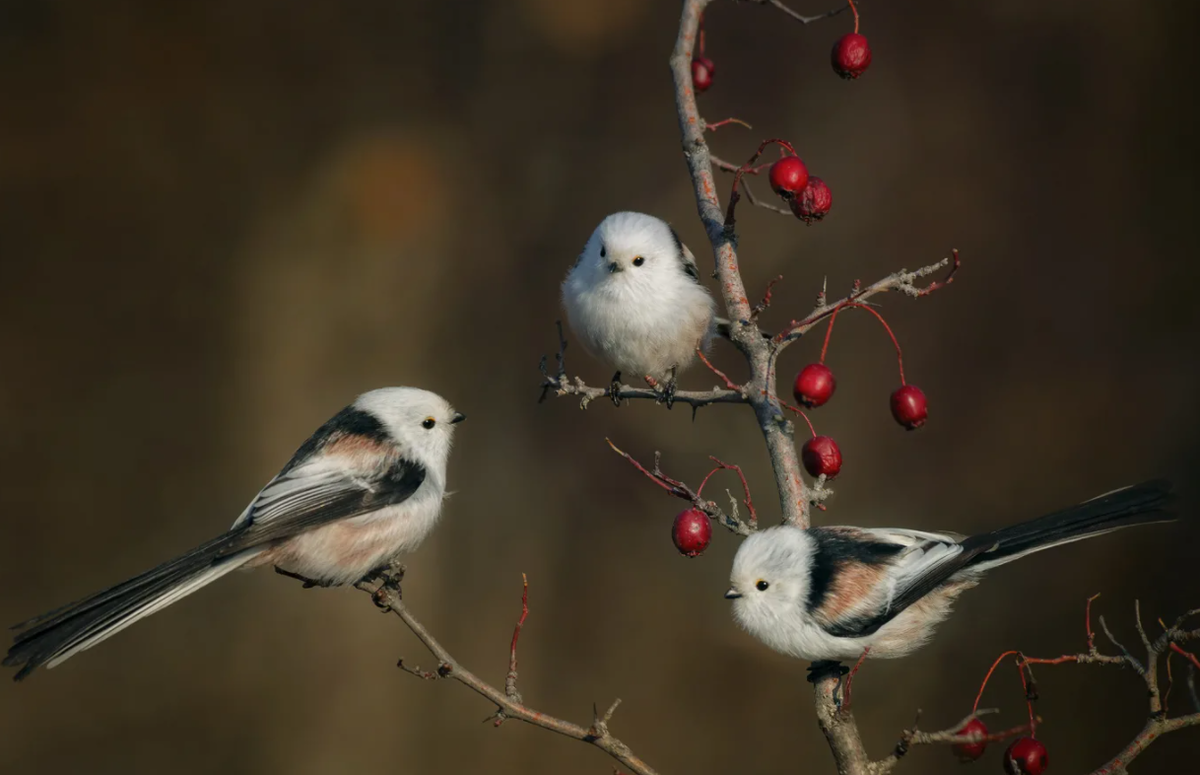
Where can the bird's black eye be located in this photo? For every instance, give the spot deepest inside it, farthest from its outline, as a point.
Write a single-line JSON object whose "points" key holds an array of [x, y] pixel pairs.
{"points": [[428, 423], [639, 261], [603, 251], [761, 586]]}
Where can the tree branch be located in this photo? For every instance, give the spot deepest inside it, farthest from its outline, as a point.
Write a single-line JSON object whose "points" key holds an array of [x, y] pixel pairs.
{"points": [[1157, 723], [387, 597], [744, 331], [1154, 729], [952, 736], [562, 385]]}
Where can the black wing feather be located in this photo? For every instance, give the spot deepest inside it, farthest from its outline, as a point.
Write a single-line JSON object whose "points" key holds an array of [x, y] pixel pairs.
{"points": [[1139, 504]]}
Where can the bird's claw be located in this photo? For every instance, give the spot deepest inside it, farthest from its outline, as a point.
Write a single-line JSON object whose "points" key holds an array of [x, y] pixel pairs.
{"points": [[614, 389], [308, 583], [388, 576], [669, 388], [824, 668]]}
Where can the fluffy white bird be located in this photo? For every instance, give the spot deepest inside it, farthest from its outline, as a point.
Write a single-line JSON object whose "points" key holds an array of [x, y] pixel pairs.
{"points": [[829, 593], [634, 299], [367, 486]]}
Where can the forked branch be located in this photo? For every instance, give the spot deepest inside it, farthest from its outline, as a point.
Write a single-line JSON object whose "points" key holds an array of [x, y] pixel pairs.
{"points": [[385, 593]]}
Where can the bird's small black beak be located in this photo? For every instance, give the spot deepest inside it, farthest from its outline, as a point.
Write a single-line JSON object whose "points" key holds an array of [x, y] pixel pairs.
{"points": [[614, 267], [457, 418], [732, 594]]}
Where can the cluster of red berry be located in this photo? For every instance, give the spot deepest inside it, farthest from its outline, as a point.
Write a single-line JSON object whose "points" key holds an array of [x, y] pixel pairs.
{"points": [[814, 387], [1026, 755], [807, 195]]}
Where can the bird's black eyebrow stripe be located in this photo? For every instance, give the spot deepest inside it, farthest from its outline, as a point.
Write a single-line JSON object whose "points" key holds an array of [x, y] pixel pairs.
{"points": [[350, 420], [688, 268], [833, 550]]}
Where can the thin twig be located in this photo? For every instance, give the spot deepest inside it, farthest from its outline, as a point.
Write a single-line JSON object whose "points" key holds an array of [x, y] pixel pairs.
{"points": [[1129, 658], [729, 384], [903, 281], [725, 122], [799, 17], [731, 522], [721, 465], [387, 597], [754, 200], [762, 306], [951, 736], [510, 680]]}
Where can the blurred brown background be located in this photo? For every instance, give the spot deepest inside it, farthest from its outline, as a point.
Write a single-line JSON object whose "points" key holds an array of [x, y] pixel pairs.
{"points": [[220, 221]]}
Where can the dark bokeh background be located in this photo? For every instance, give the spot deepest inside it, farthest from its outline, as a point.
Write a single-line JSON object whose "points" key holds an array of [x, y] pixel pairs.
{"points": [[220, 221]]}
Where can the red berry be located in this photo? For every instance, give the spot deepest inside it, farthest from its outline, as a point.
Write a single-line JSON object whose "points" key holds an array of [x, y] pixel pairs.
{"points": [[969, 752], [1026, 757], [851, 55], [788, 176], [909, 406], [814, 385], [691, 532], [703, 70], [821, 456], [814, 201]]}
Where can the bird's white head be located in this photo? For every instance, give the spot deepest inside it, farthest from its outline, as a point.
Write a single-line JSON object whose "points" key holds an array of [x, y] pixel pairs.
{"points": [[420, 422], [631, 249], [770, 580]]}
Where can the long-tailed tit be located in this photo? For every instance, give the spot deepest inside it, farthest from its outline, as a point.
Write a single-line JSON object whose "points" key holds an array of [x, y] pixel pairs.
{"points": [[829, 593], [634, 299], [365, 487]]}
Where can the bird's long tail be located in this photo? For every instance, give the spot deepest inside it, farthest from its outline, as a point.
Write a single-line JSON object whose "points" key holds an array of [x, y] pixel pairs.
{"points": [[1139, 504], [60, 634]]}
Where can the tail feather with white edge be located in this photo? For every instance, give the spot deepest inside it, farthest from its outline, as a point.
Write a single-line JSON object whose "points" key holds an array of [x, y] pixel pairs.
{"points": [[56, 636], [1140, 504]]}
